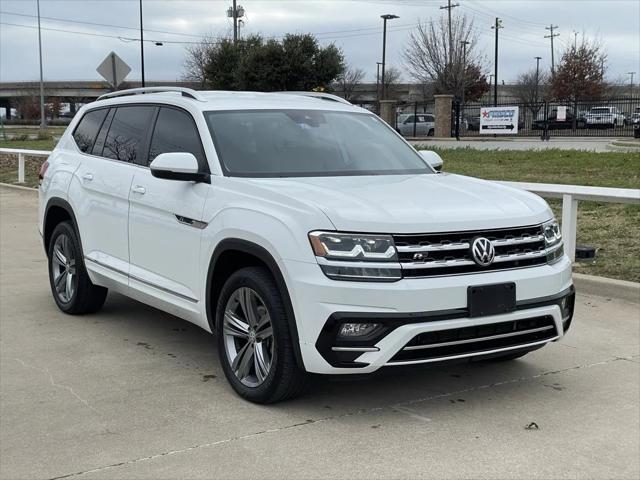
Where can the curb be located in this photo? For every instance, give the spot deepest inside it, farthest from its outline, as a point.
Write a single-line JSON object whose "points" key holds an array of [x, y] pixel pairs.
{"points": [[607, 287], [18, 187]]}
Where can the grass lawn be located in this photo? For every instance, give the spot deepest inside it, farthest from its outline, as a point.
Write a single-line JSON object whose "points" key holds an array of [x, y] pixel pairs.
{"points": [[614, 229]]}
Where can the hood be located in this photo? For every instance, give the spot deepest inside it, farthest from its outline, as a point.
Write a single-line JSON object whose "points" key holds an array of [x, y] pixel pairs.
{"points": [[413, 203]]}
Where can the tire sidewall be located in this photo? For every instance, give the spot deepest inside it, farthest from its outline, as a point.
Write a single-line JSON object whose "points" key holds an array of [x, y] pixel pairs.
{"points": [[273, 302]]}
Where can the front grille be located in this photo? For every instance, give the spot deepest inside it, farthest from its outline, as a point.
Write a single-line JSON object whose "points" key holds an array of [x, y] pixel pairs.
{"points": [[477, 339], [435, 254]]}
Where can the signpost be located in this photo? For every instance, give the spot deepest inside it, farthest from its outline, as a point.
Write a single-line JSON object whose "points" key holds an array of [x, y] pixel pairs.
{"points": [[499, 120], [113, 69], [561, 115]]}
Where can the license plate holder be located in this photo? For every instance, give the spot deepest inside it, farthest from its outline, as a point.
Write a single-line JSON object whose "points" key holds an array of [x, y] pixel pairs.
{"points": [[494, 299]]}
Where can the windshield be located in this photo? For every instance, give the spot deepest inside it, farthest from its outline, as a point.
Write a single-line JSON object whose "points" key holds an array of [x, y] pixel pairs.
{"points": [[288, 143], [600, 110]]}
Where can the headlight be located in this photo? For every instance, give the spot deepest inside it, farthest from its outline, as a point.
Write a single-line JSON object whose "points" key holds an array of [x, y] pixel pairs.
{"points": [[352, 256], [553, 240], [552, 234]]}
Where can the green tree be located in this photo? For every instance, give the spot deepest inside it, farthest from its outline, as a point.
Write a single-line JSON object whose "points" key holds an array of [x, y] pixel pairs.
{"points": [[297, 62]]}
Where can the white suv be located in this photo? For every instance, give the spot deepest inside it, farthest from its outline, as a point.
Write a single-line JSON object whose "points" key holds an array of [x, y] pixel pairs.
{"points": [[304, 231]]}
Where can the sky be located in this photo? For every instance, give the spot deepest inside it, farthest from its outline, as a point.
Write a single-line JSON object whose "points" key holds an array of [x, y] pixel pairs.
{"points": [[78, 34]]}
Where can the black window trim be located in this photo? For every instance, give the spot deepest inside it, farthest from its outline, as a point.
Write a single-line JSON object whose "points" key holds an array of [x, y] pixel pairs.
{"points": [[75, 129], [149, 131], [195, 126]]}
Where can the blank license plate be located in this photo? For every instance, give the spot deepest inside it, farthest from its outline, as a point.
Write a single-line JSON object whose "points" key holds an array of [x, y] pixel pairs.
{"points": [[493, 299]]}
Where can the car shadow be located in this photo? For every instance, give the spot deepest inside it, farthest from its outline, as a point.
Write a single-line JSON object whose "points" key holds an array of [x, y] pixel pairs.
{"points": [[177, 341]]}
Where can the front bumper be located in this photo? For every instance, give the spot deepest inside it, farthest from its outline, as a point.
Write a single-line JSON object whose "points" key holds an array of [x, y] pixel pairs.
{"points": [[321, 305]]}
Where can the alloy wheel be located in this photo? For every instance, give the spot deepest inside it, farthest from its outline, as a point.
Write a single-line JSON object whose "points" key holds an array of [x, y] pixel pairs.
{"points": [[248, 337], [63, 269]]}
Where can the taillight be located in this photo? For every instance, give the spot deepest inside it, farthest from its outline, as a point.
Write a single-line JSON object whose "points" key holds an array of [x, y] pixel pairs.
{"points": [[42, 171]]}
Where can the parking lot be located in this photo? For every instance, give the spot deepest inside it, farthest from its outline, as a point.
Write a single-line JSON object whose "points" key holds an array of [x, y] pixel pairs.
{"points": [[132, 392]]}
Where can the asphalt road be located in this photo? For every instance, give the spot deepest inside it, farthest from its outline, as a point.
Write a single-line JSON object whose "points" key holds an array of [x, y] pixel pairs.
{"points": [[132, 392]]}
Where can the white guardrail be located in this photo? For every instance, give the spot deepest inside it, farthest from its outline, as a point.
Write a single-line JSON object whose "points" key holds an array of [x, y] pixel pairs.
{"points": [[570, 195]]}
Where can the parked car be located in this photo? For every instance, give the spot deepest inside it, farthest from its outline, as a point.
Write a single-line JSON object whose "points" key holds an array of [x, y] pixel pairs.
{"points": [[473, 123], [609, 117], [635, 119], [554, 124], [301, 230], [425, 125]]}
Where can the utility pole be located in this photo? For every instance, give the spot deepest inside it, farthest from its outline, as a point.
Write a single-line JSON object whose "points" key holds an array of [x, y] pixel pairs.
{"points": [[631, 74], [386, 17], [448, 7], [537, 77], [235, 22], [551, 35], [496, 27], [43, 120], [378, 81], [235, 11], [141, 45]]}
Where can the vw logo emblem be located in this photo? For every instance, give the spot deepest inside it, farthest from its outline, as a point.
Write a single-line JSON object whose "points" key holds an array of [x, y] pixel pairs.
{"points": [[482, 251]]}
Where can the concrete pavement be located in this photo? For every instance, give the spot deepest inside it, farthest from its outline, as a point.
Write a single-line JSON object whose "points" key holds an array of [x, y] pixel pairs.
{"points": [[132, 392]]}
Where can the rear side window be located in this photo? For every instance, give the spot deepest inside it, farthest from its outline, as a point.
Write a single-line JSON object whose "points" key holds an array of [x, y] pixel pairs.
{"points": [[127, 135], [175, 131], [87, 130]]}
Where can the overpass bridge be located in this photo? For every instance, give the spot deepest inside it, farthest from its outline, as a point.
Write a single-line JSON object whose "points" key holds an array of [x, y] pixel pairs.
{"points": [[73, 92]]}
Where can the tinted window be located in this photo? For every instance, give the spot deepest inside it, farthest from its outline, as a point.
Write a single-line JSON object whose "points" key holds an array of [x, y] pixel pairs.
{"points": [[309, 143], [85, 133], [128, 133], [176, 131]]}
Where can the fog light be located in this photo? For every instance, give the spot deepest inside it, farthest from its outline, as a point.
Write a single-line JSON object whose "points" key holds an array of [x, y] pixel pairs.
{"points": [[357, 329]]}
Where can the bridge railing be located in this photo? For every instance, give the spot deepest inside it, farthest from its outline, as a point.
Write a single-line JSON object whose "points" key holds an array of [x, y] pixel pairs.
{"points": [[570, 195]]}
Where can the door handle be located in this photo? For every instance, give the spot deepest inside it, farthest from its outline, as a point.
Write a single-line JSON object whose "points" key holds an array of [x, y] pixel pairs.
{"points": [[139, 189], [88, 177]]}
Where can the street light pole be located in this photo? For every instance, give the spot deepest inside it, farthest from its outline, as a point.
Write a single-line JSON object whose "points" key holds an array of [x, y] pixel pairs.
{"points": [[537, 76], [141, 45], [631, 74], [43, 120], [384, 49]]}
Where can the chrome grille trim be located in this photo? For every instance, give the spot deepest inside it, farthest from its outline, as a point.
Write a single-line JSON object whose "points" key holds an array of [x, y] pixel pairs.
{"points": [[479, 339], [432, 248], [448, 253]]}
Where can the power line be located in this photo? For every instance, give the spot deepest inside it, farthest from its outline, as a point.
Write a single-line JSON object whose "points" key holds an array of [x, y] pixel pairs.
{"points": [[81, 22]]}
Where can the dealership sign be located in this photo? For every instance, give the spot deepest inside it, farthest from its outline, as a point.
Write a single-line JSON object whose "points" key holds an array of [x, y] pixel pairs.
{"points": [[499, 120]]}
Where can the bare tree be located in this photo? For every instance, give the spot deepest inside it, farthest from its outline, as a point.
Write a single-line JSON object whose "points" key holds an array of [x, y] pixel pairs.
{"points": [[349, 80], [392, 77], [429, 60], [196, 60], [531, 88]]}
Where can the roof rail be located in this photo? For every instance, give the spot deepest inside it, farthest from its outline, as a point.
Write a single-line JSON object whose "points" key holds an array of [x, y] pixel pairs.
{"points": [[186, 92], [320, 95]]}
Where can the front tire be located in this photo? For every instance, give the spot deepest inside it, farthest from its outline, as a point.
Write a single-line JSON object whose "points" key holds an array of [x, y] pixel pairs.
{"points": [[254, 341], [71, 286]]}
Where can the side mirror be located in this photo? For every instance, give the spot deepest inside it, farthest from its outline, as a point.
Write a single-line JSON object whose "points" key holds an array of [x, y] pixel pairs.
{"points": [[178, 166], [432, 158]]}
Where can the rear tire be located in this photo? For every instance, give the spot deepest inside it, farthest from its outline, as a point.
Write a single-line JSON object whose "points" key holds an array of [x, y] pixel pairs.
{"points": [[254, 342], [71, 286]]}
